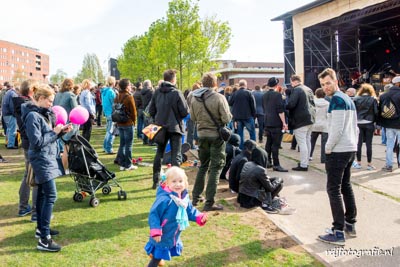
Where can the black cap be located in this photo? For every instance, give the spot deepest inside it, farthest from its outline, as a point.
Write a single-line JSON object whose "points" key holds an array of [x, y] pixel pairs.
{"points": [[272, 82]]}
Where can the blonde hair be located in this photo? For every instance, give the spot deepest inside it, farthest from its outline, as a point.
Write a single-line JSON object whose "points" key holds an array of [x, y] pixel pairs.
{"points": [[110, 81], [176, 171], [42, 90], [366, 89], [86, 84]]}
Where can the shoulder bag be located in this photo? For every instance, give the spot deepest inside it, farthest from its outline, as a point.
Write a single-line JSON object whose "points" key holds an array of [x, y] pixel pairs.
{"points": [[223, 131]]}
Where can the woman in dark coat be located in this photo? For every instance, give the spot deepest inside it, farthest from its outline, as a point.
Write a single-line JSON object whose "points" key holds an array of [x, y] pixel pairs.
{"points": [[43, 134]]}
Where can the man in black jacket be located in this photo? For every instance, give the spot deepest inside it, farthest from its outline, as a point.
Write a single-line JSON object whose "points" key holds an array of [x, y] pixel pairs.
{"points": [[301, 108], [244, 111], [168, 107], [390, 102], [274, 123]]}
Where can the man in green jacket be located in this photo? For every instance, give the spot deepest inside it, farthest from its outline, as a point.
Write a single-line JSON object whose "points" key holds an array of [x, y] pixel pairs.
{"points": [[211, 146]]}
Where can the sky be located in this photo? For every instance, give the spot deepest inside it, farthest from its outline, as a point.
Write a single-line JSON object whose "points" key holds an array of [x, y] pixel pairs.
{"points": [[67, 30]]}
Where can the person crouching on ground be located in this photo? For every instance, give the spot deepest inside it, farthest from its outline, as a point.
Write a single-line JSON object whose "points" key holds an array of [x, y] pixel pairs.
{"points": [[170, 214], [42, 153], [255, 187]]}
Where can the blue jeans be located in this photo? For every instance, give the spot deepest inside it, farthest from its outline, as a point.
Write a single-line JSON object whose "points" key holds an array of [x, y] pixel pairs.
{"points": [[125, 146], [391, 135], [109, 138], [46, 197], [140, 124], [383, 136], [338, 169], [11, 123], [251, 128]]}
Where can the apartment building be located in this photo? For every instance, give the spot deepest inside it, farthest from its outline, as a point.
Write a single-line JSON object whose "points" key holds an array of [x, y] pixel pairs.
{"points": [[20, 62]]}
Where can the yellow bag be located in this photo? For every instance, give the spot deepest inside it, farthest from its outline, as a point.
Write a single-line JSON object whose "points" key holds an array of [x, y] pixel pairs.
{"points": [[151, 130], [18, 140], [287, 138]]}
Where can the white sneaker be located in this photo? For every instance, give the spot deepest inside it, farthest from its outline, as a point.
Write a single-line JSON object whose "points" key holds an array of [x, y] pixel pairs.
{"points": [[122, 168], [132, 167]]}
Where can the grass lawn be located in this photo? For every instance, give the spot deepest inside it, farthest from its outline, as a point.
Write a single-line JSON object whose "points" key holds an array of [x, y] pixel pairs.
{"points": [[115, 232]]}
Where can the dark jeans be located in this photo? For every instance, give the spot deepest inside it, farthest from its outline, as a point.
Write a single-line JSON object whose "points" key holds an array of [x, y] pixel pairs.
{"points": [[365, 135], [175, 140], [46, 197], [140, 124], [260, 121], [99, 113], [338, 168], [274, 137], [87, 129], [125, 146], [212, 158], [251, 128], [190, 126], [324, 138]]}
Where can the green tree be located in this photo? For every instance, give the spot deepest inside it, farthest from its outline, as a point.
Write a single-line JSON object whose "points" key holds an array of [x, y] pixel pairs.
{"points": [[91, 69], [218, 34], [59, 77], [180, 41]]}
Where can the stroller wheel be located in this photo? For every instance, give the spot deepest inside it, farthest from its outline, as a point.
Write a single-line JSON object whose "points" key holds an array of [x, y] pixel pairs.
{"points": [[121, 195], [106, 190], [94, 202], [78, 197]]}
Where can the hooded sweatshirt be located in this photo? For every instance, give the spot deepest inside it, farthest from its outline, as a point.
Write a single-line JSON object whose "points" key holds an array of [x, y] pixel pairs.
{"points": [[321, 115], [168, 107]]}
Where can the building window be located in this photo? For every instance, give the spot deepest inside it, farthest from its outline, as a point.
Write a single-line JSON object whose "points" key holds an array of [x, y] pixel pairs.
{"points": [[12, 51]]}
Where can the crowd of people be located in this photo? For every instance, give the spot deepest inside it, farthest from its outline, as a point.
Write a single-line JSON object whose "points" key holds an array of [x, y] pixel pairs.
{"points": [[345, 119]]}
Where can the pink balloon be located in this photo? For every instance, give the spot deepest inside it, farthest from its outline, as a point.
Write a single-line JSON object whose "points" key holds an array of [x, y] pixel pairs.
{"points": [[61, 115], [78, 115]]}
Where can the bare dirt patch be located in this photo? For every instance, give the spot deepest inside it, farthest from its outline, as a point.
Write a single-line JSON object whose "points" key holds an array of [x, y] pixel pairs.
{"points": [[270, 235]]}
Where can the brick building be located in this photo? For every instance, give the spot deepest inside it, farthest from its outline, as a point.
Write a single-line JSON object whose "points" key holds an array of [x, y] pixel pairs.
{"points": [[19, 62], [231, 71]]}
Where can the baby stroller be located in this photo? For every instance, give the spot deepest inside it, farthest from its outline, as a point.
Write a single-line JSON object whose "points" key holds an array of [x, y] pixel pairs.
{"points": [[89, 173]]}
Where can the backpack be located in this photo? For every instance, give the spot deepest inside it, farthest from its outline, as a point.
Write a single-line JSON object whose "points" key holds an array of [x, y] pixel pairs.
{"points": [[119, 113], [388, 110]]}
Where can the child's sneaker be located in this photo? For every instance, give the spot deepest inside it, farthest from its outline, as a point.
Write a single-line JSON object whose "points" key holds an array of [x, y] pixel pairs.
{"points": [[350, 229], [335, 237], [47, 244], [356, 165]]}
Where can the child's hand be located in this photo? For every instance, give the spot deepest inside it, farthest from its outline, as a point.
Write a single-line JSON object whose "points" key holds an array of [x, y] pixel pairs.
{"points": [[205, 217], [157, 238]]}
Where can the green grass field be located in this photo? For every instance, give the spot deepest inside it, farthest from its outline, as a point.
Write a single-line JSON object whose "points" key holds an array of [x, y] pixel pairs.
{"points": [[115, 232]]}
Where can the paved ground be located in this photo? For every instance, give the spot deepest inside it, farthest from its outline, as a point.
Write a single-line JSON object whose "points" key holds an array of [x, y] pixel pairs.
{"points": [[378, 225]]}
